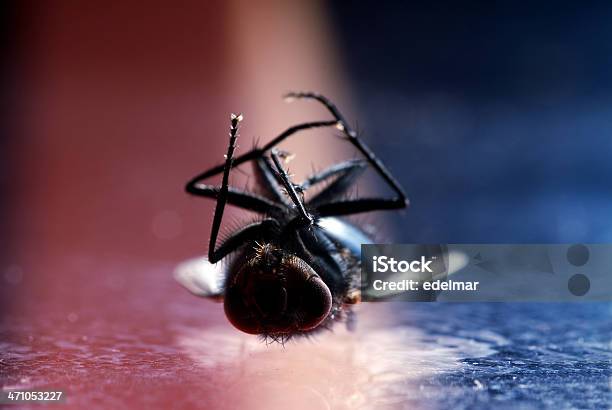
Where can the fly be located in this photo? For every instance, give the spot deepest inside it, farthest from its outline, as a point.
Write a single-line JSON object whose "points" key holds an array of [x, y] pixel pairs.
{"points": [[296, 270]]}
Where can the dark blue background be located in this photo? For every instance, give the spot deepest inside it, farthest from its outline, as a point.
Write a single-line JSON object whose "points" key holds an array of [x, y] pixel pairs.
{"points": [[495, 117]]}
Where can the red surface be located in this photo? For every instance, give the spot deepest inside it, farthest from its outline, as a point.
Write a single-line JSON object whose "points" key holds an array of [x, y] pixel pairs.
{"points": [[112, 125], [117, 106]]}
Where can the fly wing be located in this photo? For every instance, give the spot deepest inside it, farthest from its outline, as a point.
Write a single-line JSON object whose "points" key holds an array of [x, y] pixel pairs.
{"points": [[348, 235], [201, 277]]}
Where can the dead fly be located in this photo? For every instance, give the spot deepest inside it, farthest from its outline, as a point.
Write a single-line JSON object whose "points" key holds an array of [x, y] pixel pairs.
{"points": [[296, 269]]}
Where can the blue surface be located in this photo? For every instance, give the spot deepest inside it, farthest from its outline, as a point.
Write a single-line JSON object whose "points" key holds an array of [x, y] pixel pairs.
{"points": [[496, 119], [546, 355]]}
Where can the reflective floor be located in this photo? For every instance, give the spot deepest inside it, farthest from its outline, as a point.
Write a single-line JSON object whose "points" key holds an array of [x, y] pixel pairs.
{"points": [[139, 340]]}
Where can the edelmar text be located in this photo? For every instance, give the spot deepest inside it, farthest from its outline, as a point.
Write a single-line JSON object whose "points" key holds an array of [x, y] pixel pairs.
{"points": [[384, 264]]}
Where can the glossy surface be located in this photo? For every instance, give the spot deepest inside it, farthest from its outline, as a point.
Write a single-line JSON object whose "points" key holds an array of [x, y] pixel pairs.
{"points": [[118, 106], [140, 340]]}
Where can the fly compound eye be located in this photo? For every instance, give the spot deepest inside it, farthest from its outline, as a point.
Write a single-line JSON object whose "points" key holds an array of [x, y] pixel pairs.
{"points": [[278, 295], [316, 303], [311, 299], [256, 300], [239, 313], [261, 312]]}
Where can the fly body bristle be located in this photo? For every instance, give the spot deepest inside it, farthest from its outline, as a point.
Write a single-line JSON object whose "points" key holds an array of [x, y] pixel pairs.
{"points": [[263, 250]]}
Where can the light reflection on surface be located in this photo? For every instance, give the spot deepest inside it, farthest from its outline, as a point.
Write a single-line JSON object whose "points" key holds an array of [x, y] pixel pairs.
{"points": [[372, 367], [144, 341]]}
